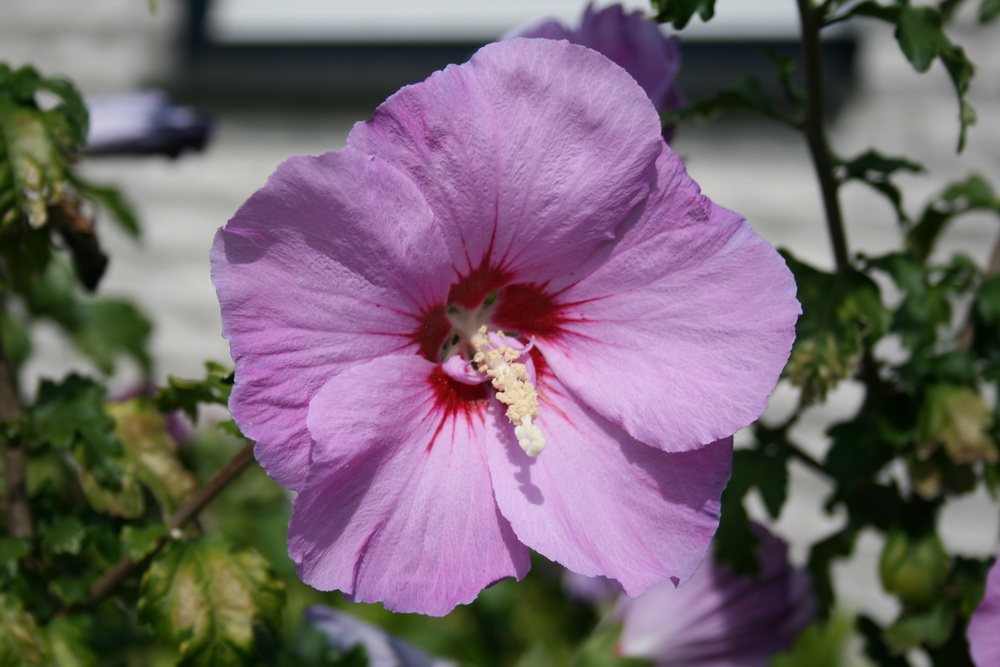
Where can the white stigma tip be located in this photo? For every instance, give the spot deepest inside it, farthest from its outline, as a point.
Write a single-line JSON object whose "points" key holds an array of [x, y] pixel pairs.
{"points": [[530, 438]]}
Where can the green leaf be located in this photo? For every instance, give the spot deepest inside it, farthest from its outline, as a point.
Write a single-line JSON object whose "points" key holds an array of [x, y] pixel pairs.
{"points": [[875, 645], [141, 541], [919, 31], [821, 644], [187, 394], [71, 416], [35, 144], [961, 70], [151, 453], [102, 329], [69, 642], [598, 650], [931, 626], [71, 589], [786, 66], [735, 544], [65, 535], [122, 500], [957, 419], [748, 95], [12, 550], [110, 328], [71, 413], [989, 10], [875, 169], [969, 579], [116, 204], [21, 643], [209, 601], [948, 8], [985, 320], [973, 194], [679, 12], [920, 35], [821, 557], [870, 9], [842, 314]]}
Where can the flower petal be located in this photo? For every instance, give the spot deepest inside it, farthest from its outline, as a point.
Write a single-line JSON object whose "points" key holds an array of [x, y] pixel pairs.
{"points": [[680, 336], [336, 260], [399, 507], [601, 503], [984, 640], [521, 168]]}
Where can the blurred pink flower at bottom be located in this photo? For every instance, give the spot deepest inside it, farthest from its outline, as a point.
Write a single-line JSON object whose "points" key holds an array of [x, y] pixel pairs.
{"points": [[720, 618]]}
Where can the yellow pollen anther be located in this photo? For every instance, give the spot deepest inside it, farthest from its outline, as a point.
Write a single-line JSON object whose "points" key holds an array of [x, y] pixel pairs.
{"points": [[514, 388]]}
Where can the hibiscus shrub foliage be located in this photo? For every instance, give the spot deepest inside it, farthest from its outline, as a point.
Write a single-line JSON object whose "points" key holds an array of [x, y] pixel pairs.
{"points": [[130, 537]]}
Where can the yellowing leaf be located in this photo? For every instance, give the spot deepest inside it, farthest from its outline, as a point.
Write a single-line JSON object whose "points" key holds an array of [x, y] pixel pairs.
{"points": [[210, 601]]}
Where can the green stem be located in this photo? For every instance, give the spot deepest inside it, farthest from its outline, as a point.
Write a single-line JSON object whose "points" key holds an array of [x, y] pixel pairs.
{"points": [[813, 128]]}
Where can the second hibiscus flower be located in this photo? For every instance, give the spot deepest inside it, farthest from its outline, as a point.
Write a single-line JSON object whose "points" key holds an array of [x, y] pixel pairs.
{"points": [[502, 317]]}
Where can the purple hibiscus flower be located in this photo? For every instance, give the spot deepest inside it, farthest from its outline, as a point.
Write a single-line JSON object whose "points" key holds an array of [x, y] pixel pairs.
{"points": [[984, 640], [502, 317], [719, 618], [631, 41]]}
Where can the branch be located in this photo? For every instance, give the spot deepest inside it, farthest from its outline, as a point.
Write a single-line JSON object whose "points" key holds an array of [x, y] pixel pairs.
{"points": [[813, 127], [110, 580], [15, 459]]}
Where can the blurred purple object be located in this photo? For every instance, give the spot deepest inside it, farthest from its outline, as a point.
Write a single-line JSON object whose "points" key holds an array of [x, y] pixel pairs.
{"points": [[593, 590], [144, 123], [344, 632], [630, 41], [984, 626], [719, 618]]}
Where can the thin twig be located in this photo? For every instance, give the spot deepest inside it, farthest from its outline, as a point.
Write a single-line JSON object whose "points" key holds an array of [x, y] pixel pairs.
{"points": [[109, 581], [813, 128], [806, 458], [15, 459]]}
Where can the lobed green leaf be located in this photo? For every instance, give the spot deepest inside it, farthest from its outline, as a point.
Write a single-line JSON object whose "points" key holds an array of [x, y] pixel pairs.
{"points": [[972, 194], [35, 144], [920, 34], [151, 453], [679, 12], [842, 314], [912, 629], [747, 96], [186, 395], [209, 601], [874, 169]]}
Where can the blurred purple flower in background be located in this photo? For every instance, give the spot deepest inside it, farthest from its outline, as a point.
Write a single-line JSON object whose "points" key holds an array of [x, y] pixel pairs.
{"points": [[719, 618], [344, 632], [630, 41], [984, 626], [144, 123], [495, 266]]}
